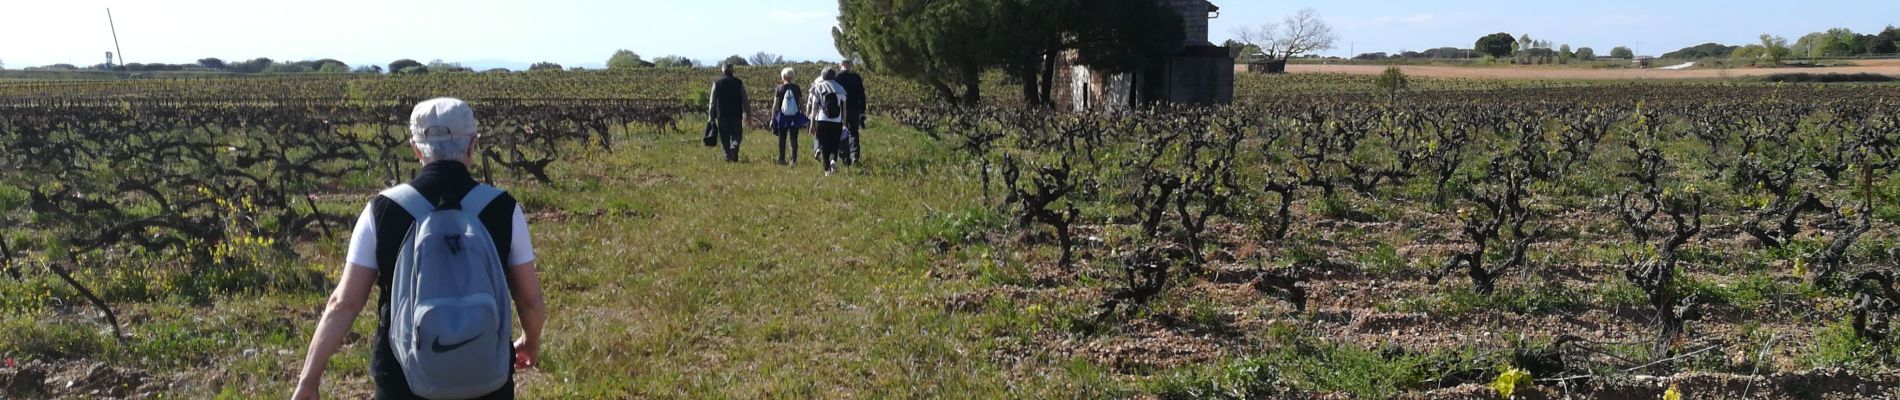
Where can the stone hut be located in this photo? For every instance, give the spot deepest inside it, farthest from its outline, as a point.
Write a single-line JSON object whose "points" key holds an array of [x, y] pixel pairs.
{"points": [[1198, 72]]}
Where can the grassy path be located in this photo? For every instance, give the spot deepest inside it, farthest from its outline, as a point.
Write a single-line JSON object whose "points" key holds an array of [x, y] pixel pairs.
{"points": [[674, 274], [709, 279]]}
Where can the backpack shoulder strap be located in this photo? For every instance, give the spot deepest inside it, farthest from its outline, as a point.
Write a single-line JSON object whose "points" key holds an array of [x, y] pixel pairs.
{"points": [[410, 200], [478, 198]]}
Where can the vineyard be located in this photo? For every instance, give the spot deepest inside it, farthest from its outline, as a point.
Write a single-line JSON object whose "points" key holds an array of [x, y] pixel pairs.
{"points": [[1320, 238], [1581, 235]]}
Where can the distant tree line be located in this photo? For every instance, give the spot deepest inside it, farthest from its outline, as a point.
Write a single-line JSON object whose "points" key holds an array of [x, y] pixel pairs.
{"points": [[1843, 42], [258, 65], [627, 59], [1523, 49], [1526, 50], [622, 59], [1442, 53], [1705, 50], [1772, 50]]}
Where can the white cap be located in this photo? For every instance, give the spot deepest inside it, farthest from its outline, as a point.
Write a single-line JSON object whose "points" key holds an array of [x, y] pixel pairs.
{"points": [[440, 119]]}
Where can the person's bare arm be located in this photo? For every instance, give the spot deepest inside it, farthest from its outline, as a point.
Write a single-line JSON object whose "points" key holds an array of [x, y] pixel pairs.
{"points": [[778, 104], [712, 102], [338, 314], [524, 284], [811, 109]]}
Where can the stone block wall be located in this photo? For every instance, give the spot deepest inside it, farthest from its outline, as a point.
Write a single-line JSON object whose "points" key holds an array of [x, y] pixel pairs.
{"points": [[1193, 18]]}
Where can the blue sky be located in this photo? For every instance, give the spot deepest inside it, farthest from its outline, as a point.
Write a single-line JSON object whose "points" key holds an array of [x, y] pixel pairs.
{"points": [[579, 32], [1654, 27]]}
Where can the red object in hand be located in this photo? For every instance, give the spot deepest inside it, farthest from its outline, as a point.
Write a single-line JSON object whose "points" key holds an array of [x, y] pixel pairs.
{"points": [[9, 362], [526, 357], [522, 362]]}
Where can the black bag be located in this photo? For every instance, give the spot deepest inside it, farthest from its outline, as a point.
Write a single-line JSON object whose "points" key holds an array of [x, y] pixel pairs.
{"points": [[712, 134], [832, 104]]}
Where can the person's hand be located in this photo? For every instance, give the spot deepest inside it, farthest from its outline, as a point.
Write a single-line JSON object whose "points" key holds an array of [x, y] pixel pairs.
{"points": [[527, 355]]}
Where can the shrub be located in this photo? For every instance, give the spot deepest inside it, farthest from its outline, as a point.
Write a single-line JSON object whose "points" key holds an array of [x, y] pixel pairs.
{"points": [[1392, 81], [29, 337], [1804, 77]]}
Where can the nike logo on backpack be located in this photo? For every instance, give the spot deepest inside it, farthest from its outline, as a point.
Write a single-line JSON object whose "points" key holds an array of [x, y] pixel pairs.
{"points": [[439, 348], [454, 243]]}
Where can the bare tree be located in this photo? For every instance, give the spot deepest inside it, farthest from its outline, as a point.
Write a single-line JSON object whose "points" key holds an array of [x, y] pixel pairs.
{"points": [[764, 58], [1300, 33]]}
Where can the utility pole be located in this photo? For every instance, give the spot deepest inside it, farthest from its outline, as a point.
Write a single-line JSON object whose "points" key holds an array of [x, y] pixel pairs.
{"points": [[115, 39]]}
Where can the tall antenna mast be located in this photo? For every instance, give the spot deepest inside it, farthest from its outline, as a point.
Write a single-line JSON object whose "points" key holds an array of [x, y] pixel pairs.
{"points": [[115, 37]]}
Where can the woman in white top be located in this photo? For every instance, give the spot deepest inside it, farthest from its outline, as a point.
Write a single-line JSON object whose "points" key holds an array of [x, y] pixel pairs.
{"points": [[827, 102]]}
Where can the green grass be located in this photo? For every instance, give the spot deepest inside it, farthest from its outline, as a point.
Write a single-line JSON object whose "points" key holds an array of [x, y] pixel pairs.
{"points": [[1382, 259], [1302, 362], [755, 280], [1837, 346], [695, 278], [32, 336], [1455, 298]]}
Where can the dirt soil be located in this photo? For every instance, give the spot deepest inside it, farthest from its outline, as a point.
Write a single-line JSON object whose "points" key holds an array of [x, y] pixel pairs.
{"points": [[1884, 67], [79, 379]]}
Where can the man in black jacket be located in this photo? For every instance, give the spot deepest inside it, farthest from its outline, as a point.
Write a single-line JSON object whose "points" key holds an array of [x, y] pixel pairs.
{"points": [[853, 110], [728, 109]]}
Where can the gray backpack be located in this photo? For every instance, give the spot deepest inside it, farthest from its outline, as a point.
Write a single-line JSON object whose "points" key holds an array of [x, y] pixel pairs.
{"points": [[449, 304]]}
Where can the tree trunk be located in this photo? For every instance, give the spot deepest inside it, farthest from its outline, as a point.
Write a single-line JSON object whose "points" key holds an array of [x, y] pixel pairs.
{"points": [[1027, 74], [1048, 77], [1067, 240], [6, 259], [944, 92], [972, 91]]}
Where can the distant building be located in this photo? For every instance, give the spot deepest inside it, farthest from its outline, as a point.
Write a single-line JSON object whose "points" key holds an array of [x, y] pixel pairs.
{"points": [[1266, 65], [1198, 72]]}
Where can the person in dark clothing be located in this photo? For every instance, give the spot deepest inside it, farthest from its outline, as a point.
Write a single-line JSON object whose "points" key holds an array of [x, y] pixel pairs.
{"points": [[727, 110], [790, 117], [854, 111], [443, 135]]}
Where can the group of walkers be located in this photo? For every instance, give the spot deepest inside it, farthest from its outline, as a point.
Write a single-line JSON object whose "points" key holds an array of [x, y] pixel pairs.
{"points": [[452, 259], [833, 109]]}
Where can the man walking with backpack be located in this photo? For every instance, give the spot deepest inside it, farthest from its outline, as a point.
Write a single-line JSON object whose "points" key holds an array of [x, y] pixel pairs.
{"points": [[451, 258], [728, 109], [853, 112], [827, 117]]}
